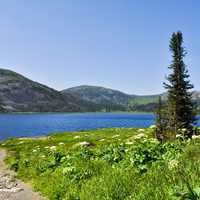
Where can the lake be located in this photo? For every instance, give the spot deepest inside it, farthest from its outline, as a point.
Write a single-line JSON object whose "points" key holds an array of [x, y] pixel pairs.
{"points": [[30, 125]]}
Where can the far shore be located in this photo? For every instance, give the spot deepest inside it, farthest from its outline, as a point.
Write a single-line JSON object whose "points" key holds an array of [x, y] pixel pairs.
{"points": [[112, 112]]}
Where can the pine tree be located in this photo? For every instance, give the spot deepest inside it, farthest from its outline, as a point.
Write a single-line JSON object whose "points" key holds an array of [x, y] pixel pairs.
{"points": [[179, 103]]}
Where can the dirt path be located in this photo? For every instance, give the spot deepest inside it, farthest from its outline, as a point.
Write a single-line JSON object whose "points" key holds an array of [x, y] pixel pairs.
{"points": [[11, 188]]}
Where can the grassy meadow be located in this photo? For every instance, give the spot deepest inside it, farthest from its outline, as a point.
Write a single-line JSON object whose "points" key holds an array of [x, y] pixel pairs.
{"points": [[107, 164]]}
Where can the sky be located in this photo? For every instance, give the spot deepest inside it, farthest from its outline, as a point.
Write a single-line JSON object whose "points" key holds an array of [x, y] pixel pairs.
{"points": [[119, 44]]}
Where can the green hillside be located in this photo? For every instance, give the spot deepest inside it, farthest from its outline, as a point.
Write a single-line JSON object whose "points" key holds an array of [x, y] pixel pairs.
{"points": [[105, 97], [20, 94], [144, 100]]}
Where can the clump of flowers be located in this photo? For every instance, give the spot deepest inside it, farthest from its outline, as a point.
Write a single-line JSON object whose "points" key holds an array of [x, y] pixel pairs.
{"points": [[141, 135], [21, 142], [173, 164], [53, 148], [77, 136], [140, 130], [195, 136], [179, 136], [114, 136], [129, 143], [152, 127]]}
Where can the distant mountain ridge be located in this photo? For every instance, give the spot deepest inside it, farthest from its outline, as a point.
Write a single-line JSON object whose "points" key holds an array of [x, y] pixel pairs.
{"points": [[20, 94], [100, 96]]}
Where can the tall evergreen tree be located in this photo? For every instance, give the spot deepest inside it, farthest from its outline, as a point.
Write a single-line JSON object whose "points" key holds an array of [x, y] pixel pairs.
{"points": [[180, 105]]}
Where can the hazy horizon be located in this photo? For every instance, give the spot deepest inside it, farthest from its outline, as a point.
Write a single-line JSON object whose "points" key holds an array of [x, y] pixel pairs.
{"points": [[113, 44]]}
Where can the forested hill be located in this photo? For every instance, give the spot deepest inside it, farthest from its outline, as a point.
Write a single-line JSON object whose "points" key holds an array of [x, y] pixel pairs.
{"points": [[109, 98], [20, 94]]}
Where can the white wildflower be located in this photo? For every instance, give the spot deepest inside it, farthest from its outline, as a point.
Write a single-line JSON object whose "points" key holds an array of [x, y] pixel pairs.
{"points": [[61, 143], [84, 143], [66, 170], [183, 130], [152, 127], [141, 135], [53, 147], [77, 136], [173, 163], [129, 142], [178, 136], [34, 150], [114, 136], [195, 136], [141, 130]]}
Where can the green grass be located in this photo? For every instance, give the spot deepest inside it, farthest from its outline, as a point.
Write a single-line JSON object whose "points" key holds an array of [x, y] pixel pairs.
{"points": [[144, 100], [118, 164]]}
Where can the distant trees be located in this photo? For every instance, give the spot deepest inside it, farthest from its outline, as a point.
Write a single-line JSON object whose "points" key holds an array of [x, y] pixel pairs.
{"points": [[179, 109]]}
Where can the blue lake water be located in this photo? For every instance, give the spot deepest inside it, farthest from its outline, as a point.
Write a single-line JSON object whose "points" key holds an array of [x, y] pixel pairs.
{"points": [[29, 125]]}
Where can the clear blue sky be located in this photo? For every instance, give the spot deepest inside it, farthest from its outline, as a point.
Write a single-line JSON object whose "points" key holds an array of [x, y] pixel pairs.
{"points": [[120, 44]]}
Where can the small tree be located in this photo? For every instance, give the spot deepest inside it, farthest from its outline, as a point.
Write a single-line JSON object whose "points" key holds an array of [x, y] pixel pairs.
{"points": [[1, 106], [179, 103], [161, 121]]}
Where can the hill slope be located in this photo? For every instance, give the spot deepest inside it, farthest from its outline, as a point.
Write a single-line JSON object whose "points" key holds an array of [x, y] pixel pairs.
{"points": [[108, 98], [104, 97], [113, 98], [19, 94]]}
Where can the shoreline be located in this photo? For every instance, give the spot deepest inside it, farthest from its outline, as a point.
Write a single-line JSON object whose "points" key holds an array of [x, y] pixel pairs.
{"points": [[44, 137], [114, 112]]}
